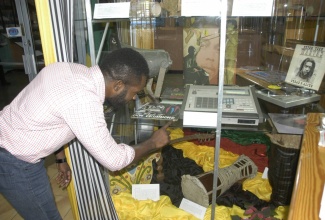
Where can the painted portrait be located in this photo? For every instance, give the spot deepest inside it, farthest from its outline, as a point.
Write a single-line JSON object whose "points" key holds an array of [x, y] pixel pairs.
{"points": [[201, 49]]}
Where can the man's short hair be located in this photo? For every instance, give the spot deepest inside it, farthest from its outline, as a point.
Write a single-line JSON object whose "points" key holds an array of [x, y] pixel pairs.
{"points": [[124, 64]]}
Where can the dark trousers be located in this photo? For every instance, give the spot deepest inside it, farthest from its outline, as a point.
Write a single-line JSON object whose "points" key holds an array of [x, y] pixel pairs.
{"points": [[26, 186]]}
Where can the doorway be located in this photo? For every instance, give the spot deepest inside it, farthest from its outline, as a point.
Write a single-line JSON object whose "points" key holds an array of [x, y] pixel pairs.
{"points": [[21, 56]]}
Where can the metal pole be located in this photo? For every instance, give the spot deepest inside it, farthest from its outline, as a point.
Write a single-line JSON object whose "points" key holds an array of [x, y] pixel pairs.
{"points": [[220, 99], [102, 42], [90, 33], [317, 24], [27, 39]]}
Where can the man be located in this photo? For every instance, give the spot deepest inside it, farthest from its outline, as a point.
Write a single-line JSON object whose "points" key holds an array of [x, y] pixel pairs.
{"points": [[189, 59], [207, 56], [193, 74], [65, 101], [306, 69]]}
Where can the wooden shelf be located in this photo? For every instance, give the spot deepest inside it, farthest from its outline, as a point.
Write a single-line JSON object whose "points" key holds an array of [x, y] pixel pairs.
{"points": [[310, 177], [286, 51]]}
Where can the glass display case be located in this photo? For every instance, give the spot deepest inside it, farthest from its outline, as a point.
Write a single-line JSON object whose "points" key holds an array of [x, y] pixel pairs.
{"points": [[221, 51], [186, 50]]}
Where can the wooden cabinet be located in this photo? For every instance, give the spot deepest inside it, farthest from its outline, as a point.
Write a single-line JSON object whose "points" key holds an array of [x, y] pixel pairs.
{"points": [[310, 177], [170, 38], [249, 48]]}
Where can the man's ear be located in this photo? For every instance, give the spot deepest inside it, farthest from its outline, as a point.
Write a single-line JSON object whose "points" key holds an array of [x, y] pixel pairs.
{"points": [[118, 86]]}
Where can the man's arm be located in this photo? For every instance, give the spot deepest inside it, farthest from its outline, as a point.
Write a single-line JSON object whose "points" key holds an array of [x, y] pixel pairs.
{"points": [[87, 122], [158, 140], [60, 155]]}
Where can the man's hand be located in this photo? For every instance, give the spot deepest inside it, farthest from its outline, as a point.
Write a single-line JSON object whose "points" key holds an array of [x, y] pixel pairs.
{"points": [[161, 137], [64, 174], [158, 140]]}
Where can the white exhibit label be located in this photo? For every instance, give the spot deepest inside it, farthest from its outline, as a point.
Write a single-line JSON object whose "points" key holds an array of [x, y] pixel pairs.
{"points": [[146, 191], [112, 10], [259, 8], [193, 208], [200, 8], [13, 32]]}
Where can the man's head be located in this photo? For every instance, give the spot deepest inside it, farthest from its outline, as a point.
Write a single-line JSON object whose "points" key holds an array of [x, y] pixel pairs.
{"points": [[207, 56], [307, 68], [191, 50], [125, 72]]}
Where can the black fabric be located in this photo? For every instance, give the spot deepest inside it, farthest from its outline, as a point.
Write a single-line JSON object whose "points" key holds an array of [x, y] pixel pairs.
{"points": [[175, 165], [235, 195]]}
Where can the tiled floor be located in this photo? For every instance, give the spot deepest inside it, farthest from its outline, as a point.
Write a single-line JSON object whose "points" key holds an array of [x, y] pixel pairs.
{"points": [[18, 80]]}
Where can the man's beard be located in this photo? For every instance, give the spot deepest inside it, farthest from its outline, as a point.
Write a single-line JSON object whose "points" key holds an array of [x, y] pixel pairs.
{"points": [[116, 102]]}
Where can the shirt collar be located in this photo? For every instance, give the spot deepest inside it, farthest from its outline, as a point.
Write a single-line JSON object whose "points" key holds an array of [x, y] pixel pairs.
{"points": [[99, 81]]}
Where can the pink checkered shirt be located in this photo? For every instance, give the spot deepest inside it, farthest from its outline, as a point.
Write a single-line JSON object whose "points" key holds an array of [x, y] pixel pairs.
{"points": [[64, 101]]}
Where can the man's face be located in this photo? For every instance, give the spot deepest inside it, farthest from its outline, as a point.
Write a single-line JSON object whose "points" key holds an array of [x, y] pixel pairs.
{"points": [[307, 67], [118, 101], [208, 58], [121, 97]]}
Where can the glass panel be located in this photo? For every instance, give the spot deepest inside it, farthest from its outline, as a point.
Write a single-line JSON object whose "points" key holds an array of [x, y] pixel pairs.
{"points": [[259, 49]]}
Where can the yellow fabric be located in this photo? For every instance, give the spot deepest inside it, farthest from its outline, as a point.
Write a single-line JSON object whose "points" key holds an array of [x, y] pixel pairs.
{"points": [[132, 209], [129, 208], [121, 181], [260, 187]]}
